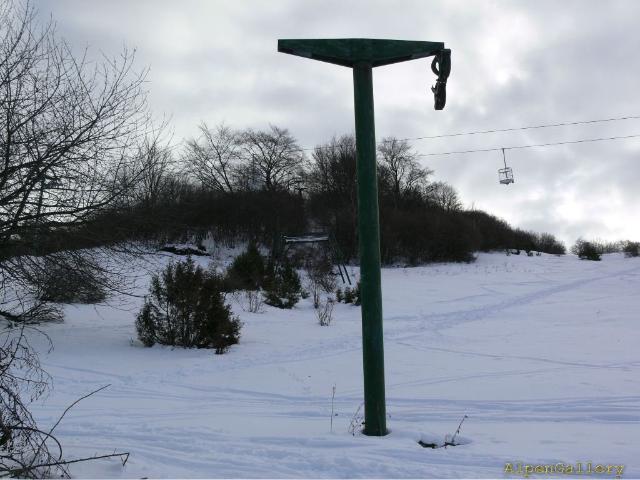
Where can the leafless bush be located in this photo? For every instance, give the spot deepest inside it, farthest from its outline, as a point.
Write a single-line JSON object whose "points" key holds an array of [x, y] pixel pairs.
{"points": [[631, 249], [355, 425], [586, 250], [324, 312], [250, 301], [35, 313], [603, 246], [324, 277], [22, 444], [26, 450], [72, 279], [19, 302], [314, 289], [320, 277], [32, 285]]}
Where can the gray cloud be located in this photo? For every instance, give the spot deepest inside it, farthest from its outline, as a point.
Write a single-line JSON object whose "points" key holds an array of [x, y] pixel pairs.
{"points": [[514, 63]]}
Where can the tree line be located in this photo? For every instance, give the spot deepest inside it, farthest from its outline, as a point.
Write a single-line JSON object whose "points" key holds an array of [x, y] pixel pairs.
{"points": [[84, 164], [257, 185]]}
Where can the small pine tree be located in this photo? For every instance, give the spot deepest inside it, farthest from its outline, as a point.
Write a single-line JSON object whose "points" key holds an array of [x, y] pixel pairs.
{"points": [[282, 287], [348, 295], [145, 324], [186, 308], [247, 270], [339, 296]]}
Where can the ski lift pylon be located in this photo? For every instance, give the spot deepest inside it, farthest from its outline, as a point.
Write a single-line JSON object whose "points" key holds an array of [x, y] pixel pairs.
{"points": [[505, 175]]}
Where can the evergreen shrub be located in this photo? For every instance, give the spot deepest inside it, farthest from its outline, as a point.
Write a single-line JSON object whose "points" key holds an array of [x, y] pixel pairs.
{"points": [[186, 308], [282, 287], [247, 270]]}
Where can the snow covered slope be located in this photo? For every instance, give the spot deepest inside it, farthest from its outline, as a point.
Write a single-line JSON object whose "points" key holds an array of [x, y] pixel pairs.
{"points": [[540, 352]]}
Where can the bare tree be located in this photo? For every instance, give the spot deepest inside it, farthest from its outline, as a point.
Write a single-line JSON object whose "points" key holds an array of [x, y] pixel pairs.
{"points": [[332, 184], [154, 168], [67, 127], [215, 158], [399, 165], [23, 380], [26, 450], [332, 170], [69, 132], [443, 195], [274, 159]]}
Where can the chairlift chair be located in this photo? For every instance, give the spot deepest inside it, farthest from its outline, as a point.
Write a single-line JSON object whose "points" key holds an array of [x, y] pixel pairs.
{"points": [[321, 237], [505, 175]]}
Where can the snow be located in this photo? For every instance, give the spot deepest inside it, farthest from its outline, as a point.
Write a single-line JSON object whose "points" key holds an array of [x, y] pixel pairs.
{"points": [[540, 353]]}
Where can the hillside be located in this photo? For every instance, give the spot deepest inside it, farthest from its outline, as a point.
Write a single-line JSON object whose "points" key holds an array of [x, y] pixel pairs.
{"points": [[540, 353]]}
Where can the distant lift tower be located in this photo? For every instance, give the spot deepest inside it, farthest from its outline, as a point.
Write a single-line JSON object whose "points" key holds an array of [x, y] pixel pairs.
{"points": [[362, 54]]}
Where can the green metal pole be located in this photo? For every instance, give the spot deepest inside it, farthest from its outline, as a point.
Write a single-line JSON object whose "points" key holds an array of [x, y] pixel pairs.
{"points": [[369, 238]]}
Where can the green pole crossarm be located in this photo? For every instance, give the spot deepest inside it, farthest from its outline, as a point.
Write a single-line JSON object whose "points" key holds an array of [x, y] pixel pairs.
{"points": [[362, 55], [350, 51]]}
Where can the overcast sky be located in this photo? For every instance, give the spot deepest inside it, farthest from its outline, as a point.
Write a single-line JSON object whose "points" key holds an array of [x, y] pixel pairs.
{"points": [[514, 63]]}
